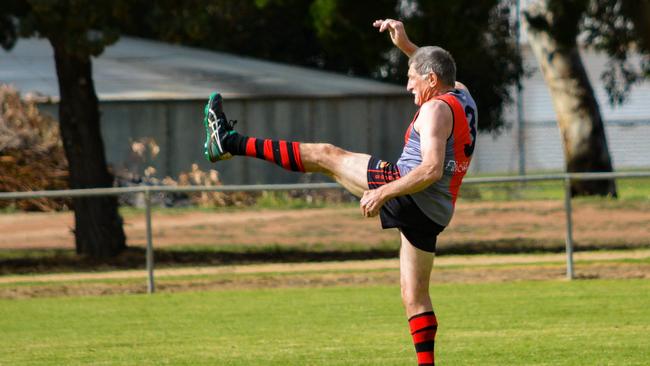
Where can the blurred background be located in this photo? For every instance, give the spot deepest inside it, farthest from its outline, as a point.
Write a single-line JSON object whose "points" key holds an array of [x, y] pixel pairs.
{"points": [[111, 93]]}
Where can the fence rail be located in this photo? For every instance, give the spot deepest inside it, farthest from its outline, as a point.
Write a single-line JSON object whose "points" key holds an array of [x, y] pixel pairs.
{"points": [[148, 190]]}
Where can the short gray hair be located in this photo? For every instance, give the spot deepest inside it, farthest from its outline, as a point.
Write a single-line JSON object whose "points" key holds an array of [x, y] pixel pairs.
{"points": [[437, 60]]}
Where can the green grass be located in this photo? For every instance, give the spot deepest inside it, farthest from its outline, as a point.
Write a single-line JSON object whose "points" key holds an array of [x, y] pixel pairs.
{"points": [[522, 323], [631, 189], [266, 201]]}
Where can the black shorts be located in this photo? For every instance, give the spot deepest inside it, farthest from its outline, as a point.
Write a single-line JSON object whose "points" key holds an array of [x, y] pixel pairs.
{"points": [[402, 212]]}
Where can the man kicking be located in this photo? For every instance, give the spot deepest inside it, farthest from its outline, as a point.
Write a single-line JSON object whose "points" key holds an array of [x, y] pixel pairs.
{"points": [[416, 195]]}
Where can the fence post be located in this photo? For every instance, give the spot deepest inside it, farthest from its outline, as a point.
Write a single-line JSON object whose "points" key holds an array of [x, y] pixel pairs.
{"points": [[147, 205], [569, 228]]}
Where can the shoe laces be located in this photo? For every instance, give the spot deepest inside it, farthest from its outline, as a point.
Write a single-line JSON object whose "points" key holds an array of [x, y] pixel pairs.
{"points": [[213, 120]]}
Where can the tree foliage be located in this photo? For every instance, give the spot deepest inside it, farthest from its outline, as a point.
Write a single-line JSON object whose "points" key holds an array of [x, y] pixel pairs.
{"points": [[348, 41], [480, 35], [273, 29], [337, 35], [620, 28], [83, 27]]}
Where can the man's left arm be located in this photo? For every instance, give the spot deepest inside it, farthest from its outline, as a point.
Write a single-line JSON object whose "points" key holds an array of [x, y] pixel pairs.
{"points": [[435, 122]]}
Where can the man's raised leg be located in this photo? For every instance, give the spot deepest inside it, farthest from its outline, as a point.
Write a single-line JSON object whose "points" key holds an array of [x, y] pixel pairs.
{"points": [[415, 275], [347, 168], [222, 142]]}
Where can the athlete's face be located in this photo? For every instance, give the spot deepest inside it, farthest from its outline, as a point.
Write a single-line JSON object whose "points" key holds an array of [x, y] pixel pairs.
{"points": [[422, 86]]}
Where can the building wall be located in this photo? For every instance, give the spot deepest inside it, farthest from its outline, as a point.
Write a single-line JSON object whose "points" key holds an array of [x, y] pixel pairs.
{"points": [[627, 141], [373, 125], [368, 125]]}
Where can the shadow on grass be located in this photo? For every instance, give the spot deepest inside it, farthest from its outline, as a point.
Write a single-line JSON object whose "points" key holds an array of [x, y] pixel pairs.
{"points": [[50, 261]]}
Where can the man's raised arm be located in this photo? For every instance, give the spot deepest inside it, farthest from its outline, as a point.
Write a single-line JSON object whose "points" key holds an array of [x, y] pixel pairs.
{"points": [[397, 35], [401, 40]]}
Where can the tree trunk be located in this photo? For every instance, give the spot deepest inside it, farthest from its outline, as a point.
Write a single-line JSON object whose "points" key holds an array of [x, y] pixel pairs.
{"points": [[578, 113], [98, 225]]}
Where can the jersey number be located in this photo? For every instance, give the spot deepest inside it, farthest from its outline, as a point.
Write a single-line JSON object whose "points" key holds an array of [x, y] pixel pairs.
{"points": [[469, 148]]}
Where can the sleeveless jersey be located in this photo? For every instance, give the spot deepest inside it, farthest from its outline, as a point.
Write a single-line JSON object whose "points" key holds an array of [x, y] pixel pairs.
{"points": [[437, 201]]}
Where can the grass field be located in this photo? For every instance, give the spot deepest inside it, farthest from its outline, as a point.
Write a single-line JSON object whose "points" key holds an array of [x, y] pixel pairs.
{"points": [[589, 322], [490, 314], [633, 189]]}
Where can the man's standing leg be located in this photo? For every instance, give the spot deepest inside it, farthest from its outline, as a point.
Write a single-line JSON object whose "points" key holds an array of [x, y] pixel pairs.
{"points": [[415, 275]]}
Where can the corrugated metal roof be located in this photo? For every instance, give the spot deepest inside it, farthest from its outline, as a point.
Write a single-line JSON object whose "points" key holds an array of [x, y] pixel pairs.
{"points": [[136, 69]]}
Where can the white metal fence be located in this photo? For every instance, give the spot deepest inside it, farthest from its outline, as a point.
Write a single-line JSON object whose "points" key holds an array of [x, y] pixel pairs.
{"points": [[148, 190]]}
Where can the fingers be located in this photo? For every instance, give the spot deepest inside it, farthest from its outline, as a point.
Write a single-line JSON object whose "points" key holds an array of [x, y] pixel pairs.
{"points": [[368, 205], [384, 24], [381, 24], [365, 204], [366, 211]]}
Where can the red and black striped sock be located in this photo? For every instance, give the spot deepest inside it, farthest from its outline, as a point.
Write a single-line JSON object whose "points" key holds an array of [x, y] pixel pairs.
{"points": [[283, 153], [423, 329]]}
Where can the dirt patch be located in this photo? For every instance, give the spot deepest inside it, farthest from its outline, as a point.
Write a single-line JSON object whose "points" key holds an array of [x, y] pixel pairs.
{"points": [[316, 280], [349, 265], [451, 269], [477, 227]]}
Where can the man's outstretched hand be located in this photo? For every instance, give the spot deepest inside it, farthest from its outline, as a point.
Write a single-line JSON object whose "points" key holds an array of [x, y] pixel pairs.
{"points": [[397, 34]]}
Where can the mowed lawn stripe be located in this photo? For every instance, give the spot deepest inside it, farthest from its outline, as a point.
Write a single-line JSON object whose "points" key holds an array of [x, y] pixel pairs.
{"points": [[590, 322]]}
